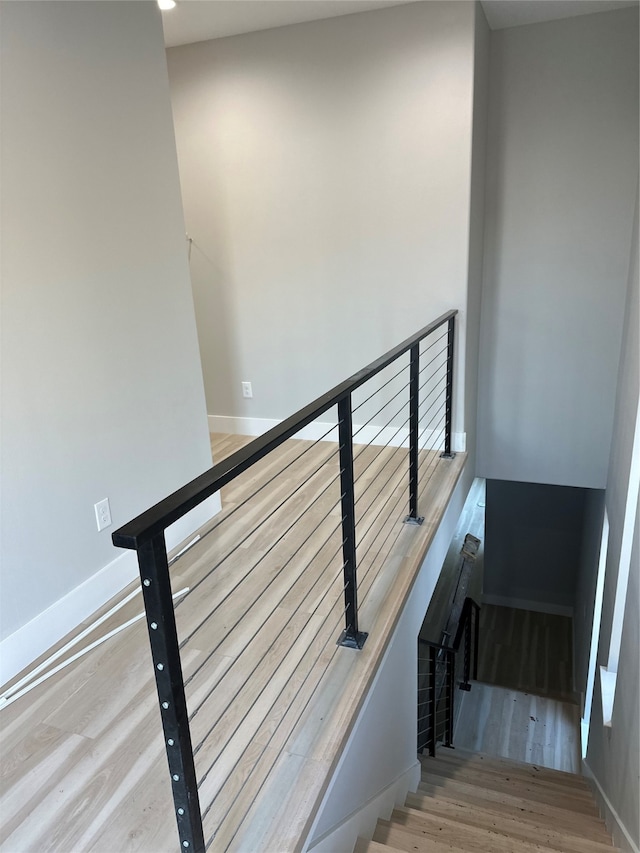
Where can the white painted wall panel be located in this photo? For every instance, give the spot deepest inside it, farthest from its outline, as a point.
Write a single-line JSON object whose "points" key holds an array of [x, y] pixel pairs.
{"points": [[102, 391], [562, 170], [325, 170]]}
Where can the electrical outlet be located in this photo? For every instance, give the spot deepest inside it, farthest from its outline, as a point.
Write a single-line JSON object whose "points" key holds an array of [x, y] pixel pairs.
{"points": [[247, 390], [103, 514]]}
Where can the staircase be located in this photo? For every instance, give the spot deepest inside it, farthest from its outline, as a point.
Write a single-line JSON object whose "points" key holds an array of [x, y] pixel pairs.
{"points": [[467, 803]]}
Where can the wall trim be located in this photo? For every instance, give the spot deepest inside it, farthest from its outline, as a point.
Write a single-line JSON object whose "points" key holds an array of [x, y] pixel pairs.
{"points": [[362, 822], [611, 817], [526, 604], [327, 431], [22, 648]]}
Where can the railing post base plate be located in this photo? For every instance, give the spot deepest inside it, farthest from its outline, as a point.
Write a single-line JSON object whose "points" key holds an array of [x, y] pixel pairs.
{"points": [[464, 686], [448, 455], [411, 520], [352, 641]]}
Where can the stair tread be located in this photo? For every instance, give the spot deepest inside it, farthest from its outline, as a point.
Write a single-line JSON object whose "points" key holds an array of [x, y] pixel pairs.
{"points": [[516, 809], [487, 776], [478, 818], [522, 790], [468, 839], [461, 757], [364, 845], [406, 841]]}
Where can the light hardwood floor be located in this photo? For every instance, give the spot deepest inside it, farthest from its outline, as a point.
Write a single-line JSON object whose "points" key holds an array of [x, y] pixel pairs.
{"points": [[520, 726], [527, 651], [272, 698]]}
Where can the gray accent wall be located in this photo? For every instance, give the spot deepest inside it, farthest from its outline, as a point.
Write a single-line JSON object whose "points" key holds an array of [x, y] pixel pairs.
{"points": [[102, 392], [561, 177], [533, 537]]}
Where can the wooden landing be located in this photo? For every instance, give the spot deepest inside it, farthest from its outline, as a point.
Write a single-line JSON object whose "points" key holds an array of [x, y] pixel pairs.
{"points": [[273, 697]]}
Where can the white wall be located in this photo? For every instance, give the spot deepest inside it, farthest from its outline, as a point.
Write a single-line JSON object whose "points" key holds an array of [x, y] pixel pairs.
{"points": [[325, 170], [613, 755], [102, 391], [476, 224], [561, 173], [379, 765], [584, 609]]}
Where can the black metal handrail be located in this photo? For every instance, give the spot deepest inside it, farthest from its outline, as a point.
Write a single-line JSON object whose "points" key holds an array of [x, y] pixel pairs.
{"points": [[146, 535], [436, 709], [179, 503]]}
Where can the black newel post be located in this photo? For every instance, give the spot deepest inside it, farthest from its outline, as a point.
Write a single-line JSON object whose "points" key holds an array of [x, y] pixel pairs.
{"points": [[156, 590], [447, 454], [351, 636], [451, 675], [414, 392], [433, 700]]}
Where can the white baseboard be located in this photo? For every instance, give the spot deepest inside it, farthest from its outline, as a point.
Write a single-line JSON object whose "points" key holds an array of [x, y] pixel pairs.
{"points": [[328, 431], [33, 639], [526, 604], [362, 822], [616, 827]]}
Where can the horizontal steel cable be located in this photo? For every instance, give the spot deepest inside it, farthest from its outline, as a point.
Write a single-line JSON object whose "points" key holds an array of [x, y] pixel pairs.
{"points": [[403, 456], [239, 506], [378, 390], [264, 621], [247, 680], [394, 415], [426, 349], [399, 500], [303, 709], [375, 415], [424, 367], [253, 530], [425, 383], [257, 563]]}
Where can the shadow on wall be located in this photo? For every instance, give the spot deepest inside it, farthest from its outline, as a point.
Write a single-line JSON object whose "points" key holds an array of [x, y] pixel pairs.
{"points": [[533, 545], [215, 322]]}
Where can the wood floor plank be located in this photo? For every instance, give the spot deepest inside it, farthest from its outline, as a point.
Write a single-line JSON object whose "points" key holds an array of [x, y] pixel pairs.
{"points": [[515, 651], [524, 727]]}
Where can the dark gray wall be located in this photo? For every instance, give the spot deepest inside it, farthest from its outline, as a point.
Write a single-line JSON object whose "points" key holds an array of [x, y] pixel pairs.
{"points": [[533, 541]]}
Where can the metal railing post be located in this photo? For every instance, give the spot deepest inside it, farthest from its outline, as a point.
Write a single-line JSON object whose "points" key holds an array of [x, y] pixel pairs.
{"points": [[165, 651], [447, 454], [433, 697], [466, 664], [351, 637], [450, 658], [476, 639], [414, 401]]}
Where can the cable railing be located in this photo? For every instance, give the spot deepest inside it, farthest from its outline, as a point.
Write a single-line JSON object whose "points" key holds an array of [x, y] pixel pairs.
{"points": [[277, 582], [440, 668]]}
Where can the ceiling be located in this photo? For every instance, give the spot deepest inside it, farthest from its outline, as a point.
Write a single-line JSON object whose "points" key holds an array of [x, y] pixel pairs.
{"points": [[200, 20]]}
